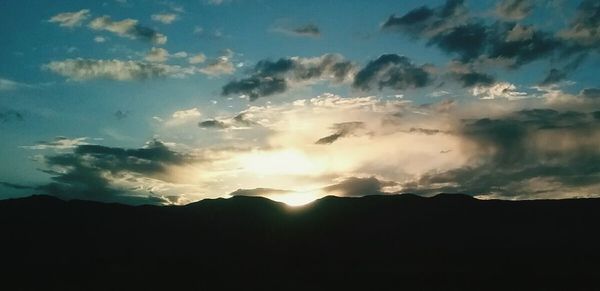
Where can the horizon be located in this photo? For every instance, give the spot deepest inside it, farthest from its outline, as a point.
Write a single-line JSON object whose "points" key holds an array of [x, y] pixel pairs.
{"points": [[173, 102]]}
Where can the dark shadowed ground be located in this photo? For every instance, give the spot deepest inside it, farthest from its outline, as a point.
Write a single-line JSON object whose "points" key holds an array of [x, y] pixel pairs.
{"points": [[402, 242]]}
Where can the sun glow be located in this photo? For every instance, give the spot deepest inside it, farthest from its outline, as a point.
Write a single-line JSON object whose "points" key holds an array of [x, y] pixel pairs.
{"points": [[296, 198], [285, 162]]}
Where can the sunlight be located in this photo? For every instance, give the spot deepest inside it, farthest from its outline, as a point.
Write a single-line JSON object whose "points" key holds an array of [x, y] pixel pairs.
{"points": [[296, 198], [284, 162]]}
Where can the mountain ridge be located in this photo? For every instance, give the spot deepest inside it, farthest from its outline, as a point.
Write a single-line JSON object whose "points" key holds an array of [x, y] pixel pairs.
{"points": [[443, 242]]}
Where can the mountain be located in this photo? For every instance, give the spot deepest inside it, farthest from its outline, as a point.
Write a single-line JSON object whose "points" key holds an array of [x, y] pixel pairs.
{"points": [[406, 242]]}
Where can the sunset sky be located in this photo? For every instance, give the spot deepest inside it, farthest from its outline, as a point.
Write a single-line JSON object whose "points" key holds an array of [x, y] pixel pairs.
{"points": [[169, 102]]}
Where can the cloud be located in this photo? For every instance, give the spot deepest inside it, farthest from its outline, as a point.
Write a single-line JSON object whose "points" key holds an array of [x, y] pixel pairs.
{"points": [[120, 115], [264, 192], [213, 123], [471, 78], [500, 89], [10, 85], [221, 66], [554, 76], [165, 18], [100, 39], [93, 172], [356, 187], [428, 22], [128, 28], [90, 69], [10, 115], [216, 2], [273, 77], [16, 186], [157, 55], [478, 43], [341, 130], [514, 9], [592, 93], [197, 59], [183, 117], [557, 75], [391, 71], [70, 19], [185, 114], [307, 30], [59, 143], [527, 153], [426, 131], [239, 121], [584, 27]]}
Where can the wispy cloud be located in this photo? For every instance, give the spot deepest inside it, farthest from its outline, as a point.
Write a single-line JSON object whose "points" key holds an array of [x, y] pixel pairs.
{"points": [[70, 19], [128, 28]]}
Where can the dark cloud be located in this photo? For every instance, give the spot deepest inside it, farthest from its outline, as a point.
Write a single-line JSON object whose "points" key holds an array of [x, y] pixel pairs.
{"points": [[500, 41], [520, 49], [120, 115], [128, 28], [310, 30], [257, 192], [89, 170], [16, 186], [425, 21], [354, 186], [426, 131], [10, 115], [213, 123], [477, 42], [255, 87], [512, 152], [514, 9], [593, 93], [468, 76], [584, 29], [391, 71], [554, 76], [466, 40], [341, 130], [273, 77], [240, 120]]}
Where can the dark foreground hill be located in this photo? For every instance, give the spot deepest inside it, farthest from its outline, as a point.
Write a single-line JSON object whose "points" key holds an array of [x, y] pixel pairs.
{"points": [[403, 242]]}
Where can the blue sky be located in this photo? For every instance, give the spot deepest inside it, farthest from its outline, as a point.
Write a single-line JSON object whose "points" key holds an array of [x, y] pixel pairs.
{"points": [[122, 74]]}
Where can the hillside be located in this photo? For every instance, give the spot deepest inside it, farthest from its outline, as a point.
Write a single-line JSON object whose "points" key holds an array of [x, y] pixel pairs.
{"points": [[443, 242]]}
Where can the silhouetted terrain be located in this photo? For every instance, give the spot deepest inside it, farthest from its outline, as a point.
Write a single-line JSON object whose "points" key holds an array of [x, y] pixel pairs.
{"points": [[448, 242]]}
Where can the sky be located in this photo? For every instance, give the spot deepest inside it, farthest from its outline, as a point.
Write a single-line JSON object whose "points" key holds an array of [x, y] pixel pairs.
{"points": [[170, 102]]}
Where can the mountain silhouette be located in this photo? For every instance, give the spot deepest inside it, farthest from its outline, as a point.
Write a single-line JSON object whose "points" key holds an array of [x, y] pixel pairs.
{"points": [[399, 242]]}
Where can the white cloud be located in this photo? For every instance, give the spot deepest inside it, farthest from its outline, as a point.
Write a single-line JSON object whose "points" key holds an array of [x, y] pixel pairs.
{"points": [[220, 66], [501, 89], [70, 19], [100, 39], [157, 55], [180, 55], [197, 59], [88, 69], [8, 85], [216, 2], [185, 116], [165, 18], [127, 28], [59, 143]]}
